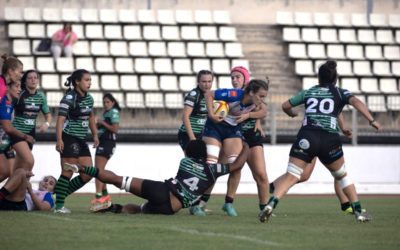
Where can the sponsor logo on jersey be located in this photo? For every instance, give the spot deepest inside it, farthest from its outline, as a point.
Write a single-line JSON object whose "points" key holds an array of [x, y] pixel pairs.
{"points": [[192, 93], [304, 144], [233, 93], [64, 106], [69, 97]]}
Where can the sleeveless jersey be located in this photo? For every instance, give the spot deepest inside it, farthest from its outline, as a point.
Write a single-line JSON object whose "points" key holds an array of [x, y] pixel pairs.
{"points": [[77, 110], [195, 99], [3, 87], [110, 117], [233, 97], [42, 195], [27, 108], [322, 106], [194, 177]]}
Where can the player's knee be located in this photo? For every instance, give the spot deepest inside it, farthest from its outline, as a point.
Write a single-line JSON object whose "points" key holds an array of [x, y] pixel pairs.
{"points": [[212, 154], [232, 158], [345, 182], [340, 173], [294, 170]]}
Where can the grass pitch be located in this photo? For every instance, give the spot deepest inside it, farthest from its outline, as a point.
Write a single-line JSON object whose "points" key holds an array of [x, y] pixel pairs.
{"points": [[301, 222]]}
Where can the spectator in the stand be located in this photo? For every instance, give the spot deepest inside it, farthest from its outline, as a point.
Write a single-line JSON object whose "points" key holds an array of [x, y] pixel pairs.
{"points": [[62, 41]]}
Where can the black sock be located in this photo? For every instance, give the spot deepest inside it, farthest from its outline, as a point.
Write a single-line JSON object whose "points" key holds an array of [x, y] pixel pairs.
{"points": [[271, 188], [3, 193], [262, 206], [228, 199], [345, 206]]}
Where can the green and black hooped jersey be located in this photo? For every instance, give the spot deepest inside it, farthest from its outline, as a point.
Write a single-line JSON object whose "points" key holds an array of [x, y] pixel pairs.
{"points": [[77, 110], [195, 99], [322, 106], [194, 177], [248, 124], [27, 108], [110, 117]]}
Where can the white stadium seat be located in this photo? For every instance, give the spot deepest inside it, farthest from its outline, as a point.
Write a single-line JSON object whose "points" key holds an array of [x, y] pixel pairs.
{"points": [[129, 82], [65, 64], [132, 32], [166, 17], [108, 15], [170, 33], [84, 63], [32, 14], [127, 16], [70, 15], [143, 65], [134, 100], [110, 82], [173, 100], [151, 32], [182, 66], [162, 65], [138, 49], [90, 15], [146, 16], [149, 83], [176, 49], [124, 65], [13, 14], [45, 64], [154, 100], [203, 17], [169, 83], [51, 14], [112, 32], [184, 16], [104, 65], [50, 82], [221, 17], [21, 47]]}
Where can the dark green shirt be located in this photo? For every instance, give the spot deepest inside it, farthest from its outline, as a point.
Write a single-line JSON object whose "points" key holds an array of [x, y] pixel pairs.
{"points": [[195, 99]]}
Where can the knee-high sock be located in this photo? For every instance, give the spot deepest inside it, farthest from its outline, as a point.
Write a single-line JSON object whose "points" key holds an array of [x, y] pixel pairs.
{"points": [[60, 190]]}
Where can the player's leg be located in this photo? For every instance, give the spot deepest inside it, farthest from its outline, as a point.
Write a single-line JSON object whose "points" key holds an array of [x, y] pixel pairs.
{"points": [[101, 189], [63, 182], [4, 167], [24, 158], [15, 187], [345, 205]]}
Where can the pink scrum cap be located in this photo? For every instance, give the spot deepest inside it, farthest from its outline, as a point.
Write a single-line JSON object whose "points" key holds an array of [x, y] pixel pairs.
{"points": [[242, 70]]}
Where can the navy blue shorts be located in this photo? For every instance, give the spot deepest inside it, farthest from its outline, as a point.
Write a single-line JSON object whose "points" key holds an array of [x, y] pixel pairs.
{"points": [[13, 206], [221, 131]]}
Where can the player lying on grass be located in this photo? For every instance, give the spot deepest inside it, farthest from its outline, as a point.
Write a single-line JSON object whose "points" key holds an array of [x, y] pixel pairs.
{"points": [[17, 194], [194, 177]]}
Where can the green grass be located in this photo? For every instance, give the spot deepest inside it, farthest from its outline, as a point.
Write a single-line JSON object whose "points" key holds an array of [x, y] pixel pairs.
{"points": [[301, 222]]}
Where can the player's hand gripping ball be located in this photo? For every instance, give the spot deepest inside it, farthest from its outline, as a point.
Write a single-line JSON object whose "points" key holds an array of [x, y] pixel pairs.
{"points": [[221, 108]]}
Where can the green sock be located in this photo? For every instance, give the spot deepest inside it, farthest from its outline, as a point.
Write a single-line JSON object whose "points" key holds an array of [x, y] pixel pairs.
{"points": [[273, 201], [75, 184], [92, 171], [105, 192], [60, 190], [98, 195], [356, 206]]}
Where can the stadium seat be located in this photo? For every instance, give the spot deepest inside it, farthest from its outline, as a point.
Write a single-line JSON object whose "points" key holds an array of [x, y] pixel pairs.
{"points": [[203, 17], [13, 14], [317, 64], [341, 20], [127, 16], [214, 49], [284, 18], [124, 65], [70, 15], [112, 32], [132, 32], [396, 68], [291, 34], [221, 66], [146, 16], [362, 68], [354, 52], [233, 49], [162, 65], [134, 100], [110, 82], [391, 52], [51, 15], [376, 103], [208, 33], [221, 17], [138, 49], [28, 61], [187, 83], [322, 19], [182, 66], [166, 17], [350, 84], [97, 99], [84, 63], [227, 33], [378, 20], [32, 14], [89, 15], [224, 82], [316, 51], [95, 82], [104, 64], [388, 86], [394, 20], [176, 49], [54, 98], [309, 35], [81, 48], [149, 83], [154, 100], [335, 51], [366, 36], [173, 100], [297, 50], [129, 82], [65, 64], [328, 35], [151, 32], [344, 68], [393, 102], [347, 36], [381, 68], [118, 48], [16, 30], [45, 64], [157, 49], [21, 47], [170, 33], [240, 62], [359, 20], [120, 97], [397, 35], [143, 65], [78, 29], [35, 45], [169, 83], [108, 15], [99, 48], [184, 17], [200, 64], [303, 19], [189, 33], [369, 85], [309, 82], [94, 31], [50, 82], [384, 36], [373, 52], [53, 28], [36, 30], [304, 67]]}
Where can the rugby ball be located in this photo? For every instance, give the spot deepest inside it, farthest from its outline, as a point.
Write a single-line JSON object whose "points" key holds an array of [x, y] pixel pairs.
{"points": [[221, 108]]}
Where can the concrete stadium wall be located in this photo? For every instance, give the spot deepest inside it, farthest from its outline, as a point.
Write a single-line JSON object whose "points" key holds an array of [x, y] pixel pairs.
{"points": [[374, 169]]}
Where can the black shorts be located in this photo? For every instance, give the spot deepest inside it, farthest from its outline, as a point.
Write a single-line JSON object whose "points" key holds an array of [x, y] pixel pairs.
{"points": [[15, 140], [183, 139], [106, 148], [311, 143], [157, 194], [74, 147], [253, 138], [10, 154], [13, 206]]}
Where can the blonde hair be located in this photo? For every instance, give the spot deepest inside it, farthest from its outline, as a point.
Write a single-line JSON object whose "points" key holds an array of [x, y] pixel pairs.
{"points": [[9, 62]]}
